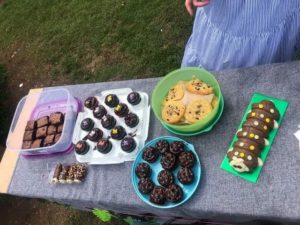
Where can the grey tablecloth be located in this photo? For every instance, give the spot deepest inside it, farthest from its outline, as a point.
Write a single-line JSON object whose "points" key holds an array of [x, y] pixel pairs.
{"points": [[220, 195]]}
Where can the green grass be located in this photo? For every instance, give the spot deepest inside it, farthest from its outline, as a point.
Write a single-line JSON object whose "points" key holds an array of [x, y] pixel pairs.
{"points": [[98, 40], [4, 124]]}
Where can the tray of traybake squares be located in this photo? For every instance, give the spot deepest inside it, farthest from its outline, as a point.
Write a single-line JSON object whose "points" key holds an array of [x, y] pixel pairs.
{"points": [[112, 127]]}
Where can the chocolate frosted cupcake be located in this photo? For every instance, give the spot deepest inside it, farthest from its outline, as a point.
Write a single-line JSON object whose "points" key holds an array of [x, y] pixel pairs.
{"points": [[176, 147], [87, 124], [168, 161], [143, 170], [128, 144], [131, 120], [82, 147], [108, 122], [134, 98], [185, 175], [95, 134], [111, 100], [99, 112], [121, 110], [104, 145], [173, 193], [162, 146], [91, 102], [150, 154], [145, 185], [118, 133], [186, 159], [158, 195], [165, 178]]}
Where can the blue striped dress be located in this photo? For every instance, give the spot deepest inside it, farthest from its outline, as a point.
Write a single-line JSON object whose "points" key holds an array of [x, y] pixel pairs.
{"points": [[242, 33]]}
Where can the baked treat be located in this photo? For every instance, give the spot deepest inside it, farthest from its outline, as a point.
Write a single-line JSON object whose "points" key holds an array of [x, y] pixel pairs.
{"points": [[104, 145], [37, 143], [252, 134], [128, 144], [31, 125], [44, 121], [60, 128], [80, 173], [42, 132], [63, 174], [82, 147], [143, 170], [91, 102], [87, 124], [185, 175], [121, 110], [56, 138], [118, 133], [186, 159], [162, 146], [158, 196], [134, 98], [269, 107], [95, 134], [56, 173], [29, 135], [257, 124], [52, 129], [56, 118], [249, 144], [197, 110], [108, 122], [197, 86], [173, 111], [70, 174], [176, 93], [145, 185], [131, 120], [173, 193], [150, 154], [165, 178], [262, 115], [99, 112], [26, 145], [111, 100], [168, 161], [49, 140], [176, 147]]}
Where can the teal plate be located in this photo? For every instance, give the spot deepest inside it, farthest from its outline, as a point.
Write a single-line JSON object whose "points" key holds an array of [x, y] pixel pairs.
{"points": [[188, 189], [207, 129]]}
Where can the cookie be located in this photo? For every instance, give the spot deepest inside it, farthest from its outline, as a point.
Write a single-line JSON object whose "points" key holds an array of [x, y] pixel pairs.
{"points": [[165, 178], [185, 175], [197, 86], [145, 185], [150, 154], [176, 147], [173, 193], [143, 170], [257, 124], [186, 159], [158, 196], [197, 110], [269, 107], [263, 116], [252, 134], [173, 112], [176, 93], [168, 161], [249, 145], [162, 146]]}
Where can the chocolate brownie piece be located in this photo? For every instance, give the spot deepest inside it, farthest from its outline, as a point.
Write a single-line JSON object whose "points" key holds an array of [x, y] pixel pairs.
{"points": [[165, 178], [158, 196], [26, 145], [186, 159], [150, 154], [173, 193], [56, 118], [31, 125], [143, 170], [60, 128], [52, 129], [29, 135], [57, 137], [49, 140], [37, 143], [145, 185], [44, 121], [168, 161], [185, 175], [42, 132]]}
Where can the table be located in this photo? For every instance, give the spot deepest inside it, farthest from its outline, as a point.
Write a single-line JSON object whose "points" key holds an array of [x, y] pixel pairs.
{"points": [[220, 196]]}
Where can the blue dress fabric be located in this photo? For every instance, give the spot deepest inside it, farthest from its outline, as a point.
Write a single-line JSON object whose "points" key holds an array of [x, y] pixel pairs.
{"points": [[243, 33]]}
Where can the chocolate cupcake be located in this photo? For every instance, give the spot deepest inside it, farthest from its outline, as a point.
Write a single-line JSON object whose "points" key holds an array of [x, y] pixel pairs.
{"points": [[121, 110], [186, 159], [158, 196], [111, 100], [150, 154], [91, 102], [95, 134], [128, 144], [104, 145], [131, 120], [173, 193], [87, 124], [165, 178], [82, 147], [118, 133], [176, 147], [185, 175], [134, 98], [143, 170], [108, 122], [145, 185], [168, 161], [162, 146], [99, 112]]}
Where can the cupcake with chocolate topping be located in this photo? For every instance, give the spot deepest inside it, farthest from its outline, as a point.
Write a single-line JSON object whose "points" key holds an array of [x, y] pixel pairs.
{"points": [[108, 122], [111, 100], [95, 134], [104, 145], [150, 154], [87, 124], [176, 147], [173, 193], [118, 133], [158, 195], [134, 98], [99, 112], [185, 175], [82, 147], [162, 146], [131, 120], [165, 178], [128, 144], [121, 110], [143, 170], [91, 102]]}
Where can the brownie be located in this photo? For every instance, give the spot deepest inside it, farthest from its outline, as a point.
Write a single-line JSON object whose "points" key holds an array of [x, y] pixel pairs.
{"points": [[95, 134], [31, 125], [41, 132], [56, 118], [173, 193], [29, 135], [165, 178], [143, 170], [177, 147], [111, 100], [91, 102], [128, 144], [131, 120], [134, 98], [44, 121], [186, 159], [162, 146], [99, 112], [121, 110], [52, 129], [108, 122], [158, 196], [60, 128], [37, 143], [150, 154], [104, 145], [82, 147], [49, 140], [118, 133], [168, 161], [185, 175], [145, 185], [87, 124], [57, 137], [26, 145]]}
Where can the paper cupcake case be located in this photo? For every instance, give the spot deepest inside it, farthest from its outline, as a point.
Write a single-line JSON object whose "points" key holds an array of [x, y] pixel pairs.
{"points": [[116, 154]]}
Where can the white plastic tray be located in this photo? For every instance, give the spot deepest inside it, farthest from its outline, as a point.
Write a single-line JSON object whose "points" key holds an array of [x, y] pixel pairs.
{"points": [[116, 155]]}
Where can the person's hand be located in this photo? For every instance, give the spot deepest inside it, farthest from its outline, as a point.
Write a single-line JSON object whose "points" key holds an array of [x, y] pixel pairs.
{"points": [[196, 3]]}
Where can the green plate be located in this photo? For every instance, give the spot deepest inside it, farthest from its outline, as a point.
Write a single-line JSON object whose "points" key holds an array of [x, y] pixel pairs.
{"points": [[281, 105]]}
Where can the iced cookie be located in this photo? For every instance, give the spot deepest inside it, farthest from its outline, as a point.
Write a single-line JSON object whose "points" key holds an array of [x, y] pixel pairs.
{"points": [[173, 112], [197, 86], [197, 110]]}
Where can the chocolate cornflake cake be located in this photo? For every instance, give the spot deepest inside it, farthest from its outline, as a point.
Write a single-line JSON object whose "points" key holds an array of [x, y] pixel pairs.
{"points": [[91, 103], [87, 124], [43, 121], [168, 161], [95, 134], [56, 118], [173, 193], [143, 170], [128, 144], [108, 122], [31, 125], [118, 133], [176, 147], [131, 120], [158, 195], [99, 112], [150, 154], [185, 175], [186, 159], [104, 145], [162, 146], [82, 147], [111, 100], [165, 178], [134, 98], [145, 185], [121, 110]]}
